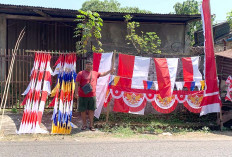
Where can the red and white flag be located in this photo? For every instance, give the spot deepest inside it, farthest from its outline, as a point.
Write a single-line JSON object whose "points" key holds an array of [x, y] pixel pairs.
{"points": [[211, 101], [101, 63], [190, 70], [166, 69], [133, 70]]}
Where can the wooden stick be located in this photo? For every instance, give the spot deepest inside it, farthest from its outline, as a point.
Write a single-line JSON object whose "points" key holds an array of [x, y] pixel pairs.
{"points": [[11, 66], [108, 105], [51, 52], [21, 35]]}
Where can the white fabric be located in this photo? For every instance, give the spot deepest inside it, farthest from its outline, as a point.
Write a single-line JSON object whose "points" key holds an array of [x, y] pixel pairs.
{"points": [[140, 72], [179, 85], [102, 82], [139, 112], [156, 85], [210, 108], [172, 68], [28, 88], [57, 69], [197, 77], [47, 86]]}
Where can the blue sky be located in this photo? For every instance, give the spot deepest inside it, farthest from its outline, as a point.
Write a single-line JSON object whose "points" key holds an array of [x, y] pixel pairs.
{"points": [[218, 7]]}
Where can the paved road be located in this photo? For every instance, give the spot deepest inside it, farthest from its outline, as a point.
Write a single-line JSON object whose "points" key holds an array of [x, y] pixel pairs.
{"points": [[118, 148]]}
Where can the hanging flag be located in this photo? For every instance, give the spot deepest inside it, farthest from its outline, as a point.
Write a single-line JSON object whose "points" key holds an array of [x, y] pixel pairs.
{"points": [[101, 63], [229, 89], [27, 100], [45, 92], [190, 70], [166, 69], [179, 85], [132, 71], [211, 101], [147, 84], [116, 79]]}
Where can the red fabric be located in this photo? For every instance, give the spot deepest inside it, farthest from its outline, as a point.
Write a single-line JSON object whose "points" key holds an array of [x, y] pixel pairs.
{"points": [[163, 77], [193, 110], [83, 77], [126, 65], [120, 106], [39, 117], [187, 69], [145, 84], [124, 82], [162, 110], [96, 61], [188, 85], [44, 96], [210, 65]]}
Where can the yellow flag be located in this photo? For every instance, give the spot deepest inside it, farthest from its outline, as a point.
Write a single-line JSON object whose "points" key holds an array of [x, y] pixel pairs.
{"points": [[202, 85], [116, 79], [53, 93]]}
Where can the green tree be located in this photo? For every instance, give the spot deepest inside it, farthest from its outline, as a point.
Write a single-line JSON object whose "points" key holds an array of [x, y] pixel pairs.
{"points": [[148, 42], [229, 18], [88, 28], [189, 7], [109, 6]]}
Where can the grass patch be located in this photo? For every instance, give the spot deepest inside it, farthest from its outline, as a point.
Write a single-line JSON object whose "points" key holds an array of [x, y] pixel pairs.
{"points": [[126, 125]]}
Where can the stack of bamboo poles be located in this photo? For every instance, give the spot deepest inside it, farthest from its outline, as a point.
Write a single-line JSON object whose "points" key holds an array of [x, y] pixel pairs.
{"points": [[6, 89]]}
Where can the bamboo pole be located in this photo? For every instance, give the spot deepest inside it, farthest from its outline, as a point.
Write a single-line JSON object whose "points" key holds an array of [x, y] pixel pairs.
{"points": [[6, 90], [108, 105]]}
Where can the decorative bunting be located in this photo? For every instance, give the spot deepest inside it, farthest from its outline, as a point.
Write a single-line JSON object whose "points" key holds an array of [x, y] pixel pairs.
{"points": [[166, 69], [63, 94], [33, 111], [132, 71], [229, 89]]}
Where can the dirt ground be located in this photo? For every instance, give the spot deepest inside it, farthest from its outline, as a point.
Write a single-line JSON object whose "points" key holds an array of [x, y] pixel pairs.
{"points": [[11, 123]]}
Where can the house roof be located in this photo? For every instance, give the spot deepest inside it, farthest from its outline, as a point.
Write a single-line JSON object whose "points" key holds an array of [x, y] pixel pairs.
{"points": [[220, 31], [226, 54], [109, 16]]}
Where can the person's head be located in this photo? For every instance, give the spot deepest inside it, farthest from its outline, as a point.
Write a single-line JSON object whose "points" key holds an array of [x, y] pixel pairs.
{"points": [[88, 65]]}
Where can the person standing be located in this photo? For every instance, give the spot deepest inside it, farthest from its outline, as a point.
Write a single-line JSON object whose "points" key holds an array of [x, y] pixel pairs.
{"points": [[87, 101]]}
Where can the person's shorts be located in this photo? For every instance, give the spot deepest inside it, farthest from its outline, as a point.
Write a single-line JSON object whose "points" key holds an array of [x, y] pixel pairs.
{"points": [[87, 103]]}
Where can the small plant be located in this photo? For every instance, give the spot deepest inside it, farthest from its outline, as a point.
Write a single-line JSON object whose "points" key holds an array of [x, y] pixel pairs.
{"points": [[148, 42], [89, 27], [14, 110], [206, 129]]}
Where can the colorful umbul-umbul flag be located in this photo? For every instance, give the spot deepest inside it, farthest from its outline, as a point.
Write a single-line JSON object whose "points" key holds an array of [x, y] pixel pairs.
{"points": [[211, 101], [133, 70], [166, 69], [101, 63]]}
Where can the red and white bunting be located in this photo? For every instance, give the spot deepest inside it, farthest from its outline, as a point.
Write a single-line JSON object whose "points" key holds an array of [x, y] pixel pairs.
{"points": [[166, 69], [135, 68]]}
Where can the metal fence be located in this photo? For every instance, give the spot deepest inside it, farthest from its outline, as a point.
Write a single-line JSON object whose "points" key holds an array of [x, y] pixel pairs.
{"points": [[21, 75]]}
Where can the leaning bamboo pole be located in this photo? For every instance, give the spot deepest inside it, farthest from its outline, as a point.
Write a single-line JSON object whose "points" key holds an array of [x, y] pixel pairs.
{"points": [[6, 89]]}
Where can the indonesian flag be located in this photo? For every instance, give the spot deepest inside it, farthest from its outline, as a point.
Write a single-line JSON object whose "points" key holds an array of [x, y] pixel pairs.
{"points": [[101, 63], [229, 88], [166, 69], [133, 70], [190, 70], [211, 101]]}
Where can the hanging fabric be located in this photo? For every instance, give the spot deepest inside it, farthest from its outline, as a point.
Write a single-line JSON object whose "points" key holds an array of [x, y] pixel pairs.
{"points": [[132, 71], [101, 63], [63, 94], [166, 69]]}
